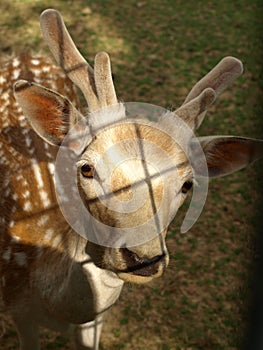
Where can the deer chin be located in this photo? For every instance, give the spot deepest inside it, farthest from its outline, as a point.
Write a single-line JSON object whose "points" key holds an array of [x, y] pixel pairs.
{"points": [[138, 277], [127, 277]]}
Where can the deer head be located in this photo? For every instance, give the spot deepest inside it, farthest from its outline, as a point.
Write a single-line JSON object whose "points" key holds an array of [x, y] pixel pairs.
{"points": [[132, 174]]}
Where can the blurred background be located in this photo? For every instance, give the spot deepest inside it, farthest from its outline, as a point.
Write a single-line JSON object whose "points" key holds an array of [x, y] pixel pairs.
{"points": [[159, 49]]}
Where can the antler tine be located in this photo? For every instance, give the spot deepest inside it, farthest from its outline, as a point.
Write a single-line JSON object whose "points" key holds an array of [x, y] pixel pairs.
{"points": [[97, 87], [193, 112], [207, 89], [219, 78], [103, 80], [66, 54]]}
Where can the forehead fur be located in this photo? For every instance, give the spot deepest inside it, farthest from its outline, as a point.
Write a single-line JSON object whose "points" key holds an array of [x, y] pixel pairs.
{"points": [[167, 121], [112, 126], [163, 144]]}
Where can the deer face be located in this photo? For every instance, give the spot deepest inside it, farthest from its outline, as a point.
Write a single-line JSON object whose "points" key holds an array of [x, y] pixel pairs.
{"points": [[123, 178]]}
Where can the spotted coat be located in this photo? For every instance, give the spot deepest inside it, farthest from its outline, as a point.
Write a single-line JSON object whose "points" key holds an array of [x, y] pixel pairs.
{"points": [[28, 198]]}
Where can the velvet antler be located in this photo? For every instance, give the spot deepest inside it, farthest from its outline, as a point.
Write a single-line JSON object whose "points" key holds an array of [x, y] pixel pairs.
{"points": [[207, 89], [96, 85]]}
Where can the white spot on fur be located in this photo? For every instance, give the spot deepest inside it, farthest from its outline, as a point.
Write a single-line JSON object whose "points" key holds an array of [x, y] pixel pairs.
{"points": [[51, 168], [15, 62], [16, 74], [27, 206], [22, 118], [26, 194], [15, 238], [56, 241], [44, 198], [5, 97], [49, 234], [43, 220], [35, 61], [38, 175], [25, 183], [42, 193], [46, 69], [14, 196], [2, 80], [28, 142]]}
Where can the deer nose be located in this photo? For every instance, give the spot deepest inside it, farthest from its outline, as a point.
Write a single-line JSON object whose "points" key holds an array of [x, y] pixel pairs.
{"points": [[143, 266]]}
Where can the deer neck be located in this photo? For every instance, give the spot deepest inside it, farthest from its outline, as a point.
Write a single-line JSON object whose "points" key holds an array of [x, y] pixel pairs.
{"points": [[79, 290]]}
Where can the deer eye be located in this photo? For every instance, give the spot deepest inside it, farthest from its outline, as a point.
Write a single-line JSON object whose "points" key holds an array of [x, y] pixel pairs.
{"points": [[187, 186], [88, 171]]}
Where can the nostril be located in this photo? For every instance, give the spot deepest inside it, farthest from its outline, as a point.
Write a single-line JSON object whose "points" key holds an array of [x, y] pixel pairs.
{"points": [[134, 262], [132, 258]]}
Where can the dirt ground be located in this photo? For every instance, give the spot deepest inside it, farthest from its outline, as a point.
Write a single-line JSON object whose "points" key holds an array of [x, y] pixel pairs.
{"points": [[159, 49]]}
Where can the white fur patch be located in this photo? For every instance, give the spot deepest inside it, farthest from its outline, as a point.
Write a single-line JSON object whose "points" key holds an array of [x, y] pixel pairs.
{"points": [[2, 80], [35, 61], [27, 206], [107, 116], [56, 241], [43, 220], [49, 234], [16, 74], [40, 183], [15, 62], [15, 238], [11, 223]]}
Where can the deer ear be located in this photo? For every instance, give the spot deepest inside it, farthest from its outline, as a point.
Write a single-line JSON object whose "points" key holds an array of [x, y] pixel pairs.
{"points": [[50, 114], [225, 155]]}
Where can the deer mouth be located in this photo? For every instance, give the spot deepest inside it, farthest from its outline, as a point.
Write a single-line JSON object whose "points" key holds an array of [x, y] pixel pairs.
{"points": [[146, 267], [141, 270]]}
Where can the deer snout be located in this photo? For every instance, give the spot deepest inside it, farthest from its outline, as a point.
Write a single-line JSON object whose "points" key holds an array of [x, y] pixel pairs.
{"points": [[138, 264], [141, 269], [142, 266]]}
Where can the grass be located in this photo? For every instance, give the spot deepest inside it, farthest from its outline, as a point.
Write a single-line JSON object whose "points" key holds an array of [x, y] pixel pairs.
{"points": [[159, 49]]}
